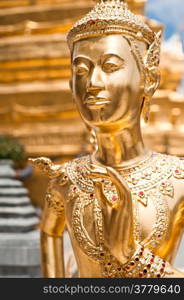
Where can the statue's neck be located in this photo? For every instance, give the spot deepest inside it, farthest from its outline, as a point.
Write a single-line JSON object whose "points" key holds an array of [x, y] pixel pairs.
{"points": [[118, 148]]}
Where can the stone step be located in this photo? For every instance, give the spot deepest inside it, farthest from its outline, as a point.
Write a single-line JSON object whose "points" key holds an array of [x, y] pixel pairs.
{"points": [[22, 210], [14, 201], [19, 222], [19, 249], [13, 191], [10, 182]]}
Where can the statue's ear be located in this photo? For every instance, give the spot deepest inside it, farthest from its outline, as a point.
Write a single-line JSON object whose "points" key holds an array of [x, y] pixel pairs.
{"points": [[152, 81], [152, 61]]}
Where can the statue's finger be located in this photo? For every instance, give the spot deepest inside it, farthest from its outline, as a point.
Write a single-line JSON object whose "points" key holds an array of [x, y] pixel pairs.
{"points": [[121, 186], [98, 186], [99, 193]]}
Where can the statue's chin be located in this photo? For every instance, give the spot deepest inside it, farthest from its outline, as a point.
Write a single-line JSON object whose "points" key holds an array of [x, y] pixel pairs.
{"points": [[108, 125]]}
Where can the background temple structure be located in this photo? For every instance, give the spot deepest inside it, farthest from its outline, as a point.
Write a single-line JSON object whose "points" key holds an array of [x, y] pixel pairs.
{"points": [[19, 234]]}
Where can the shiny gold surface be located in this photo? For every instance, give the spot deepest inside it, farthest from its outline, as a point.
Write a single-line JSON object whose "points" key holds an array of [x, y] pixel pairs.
{"points": [[113, 200]]}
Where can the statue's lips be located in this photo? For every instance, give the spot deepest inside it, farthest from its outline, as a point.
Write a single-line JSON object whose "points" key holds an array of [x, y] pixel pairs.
{"points": [[92, 101]]}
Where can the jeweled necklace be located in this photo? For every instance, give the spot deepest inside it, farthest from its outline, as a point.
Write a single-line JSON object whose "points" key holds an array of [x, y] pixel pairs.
{"points": [[147, 181]]}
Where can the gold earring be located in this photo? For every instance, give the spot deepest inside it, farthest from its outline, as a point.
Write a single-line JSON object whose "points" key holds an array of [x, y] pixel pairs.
{"points": [[146, 108]]}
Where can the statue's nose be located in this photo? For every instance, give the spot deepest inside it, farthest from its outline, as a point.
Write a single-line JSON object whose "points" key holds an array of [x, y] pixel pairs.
{"points": [[96, 83]]}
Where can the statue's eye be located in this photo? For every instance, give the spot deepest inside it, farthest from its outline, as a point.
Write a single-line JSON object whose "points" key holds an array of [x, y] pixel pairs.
{"points": [[81, 70], [109, 67]]}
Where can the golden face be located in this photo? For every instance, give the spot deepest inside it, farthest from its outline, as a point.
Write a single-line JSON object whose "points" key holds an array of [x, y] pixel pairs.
{"points": [[106, 82]]}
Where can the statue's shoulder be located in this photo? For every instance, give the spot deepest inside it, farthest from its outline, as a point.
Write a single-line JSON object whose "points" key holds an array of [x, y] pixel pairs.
{"points": [[79, 162], [61, 172], [173, 164]]}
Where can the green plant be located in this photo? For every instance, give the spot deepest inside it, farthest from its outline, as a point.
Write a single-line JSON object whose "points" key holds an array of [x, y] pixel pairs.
{"points": [[11, 148]]}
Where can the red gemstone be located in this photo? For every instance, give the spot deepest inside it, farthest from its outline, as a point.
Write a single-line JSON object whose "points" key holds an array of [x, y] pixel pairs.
{"points": [[74, 188], [114, 198], [163, 183], [127, 267], [159, 235], [65, 177], [163, 265], [142, 248], [140, 254], [158, 275], [136, 259], [177, 171], [152, 260], [101, 254], [91, 195], [141, 193], [109, 264], [162, 270], [149, 265], [91, 22], [119, 269], [145, 271], [140, 274], [132, 263]]}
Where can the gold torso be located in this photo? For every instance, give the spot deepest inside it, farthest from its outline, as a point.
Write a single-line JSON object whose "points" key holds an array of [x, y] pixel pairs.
{"points": [[157, 198]]}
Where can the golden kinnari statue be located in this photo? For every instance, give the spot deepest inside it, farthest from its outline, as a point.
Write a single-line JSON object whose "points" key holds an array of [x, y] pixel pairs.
{"points": [[123, 204]]}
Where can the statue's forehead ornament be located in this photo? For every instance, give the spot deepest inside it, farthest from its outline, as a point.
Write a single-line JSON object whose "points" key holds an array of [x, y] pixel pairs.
{"points": [[113, 17]]}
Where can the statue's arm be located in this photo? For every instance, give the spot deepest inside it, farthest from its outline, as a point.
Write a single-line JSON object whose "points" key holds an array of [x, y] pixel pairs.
{"points": [[177, 226], [52, 256], [174, 273], [51, 236], [53, 220]]}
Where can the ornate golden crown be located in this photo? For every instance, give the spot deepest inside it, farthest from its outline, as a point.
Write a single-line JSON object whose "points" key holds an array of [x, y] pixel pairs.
{"points": [[109, 17], [114, 17]]}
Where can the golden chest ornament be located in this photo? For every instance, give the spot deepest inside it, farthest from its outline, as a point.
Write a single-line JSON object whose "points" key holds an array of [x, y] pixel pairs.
{"points": [[148, 181]]}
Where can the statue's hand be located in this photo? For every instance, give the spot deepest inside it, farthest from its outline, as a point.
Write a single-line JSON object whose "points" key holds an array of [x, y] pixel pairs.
{"points": [[118, 216], [45, 165]]}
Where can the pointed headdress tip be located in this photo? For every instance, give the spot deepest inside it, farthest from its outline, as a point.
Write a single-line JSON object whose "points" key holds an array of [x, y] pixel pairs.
{"points": [[153, 55], [159, 36], [110, 17]]}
